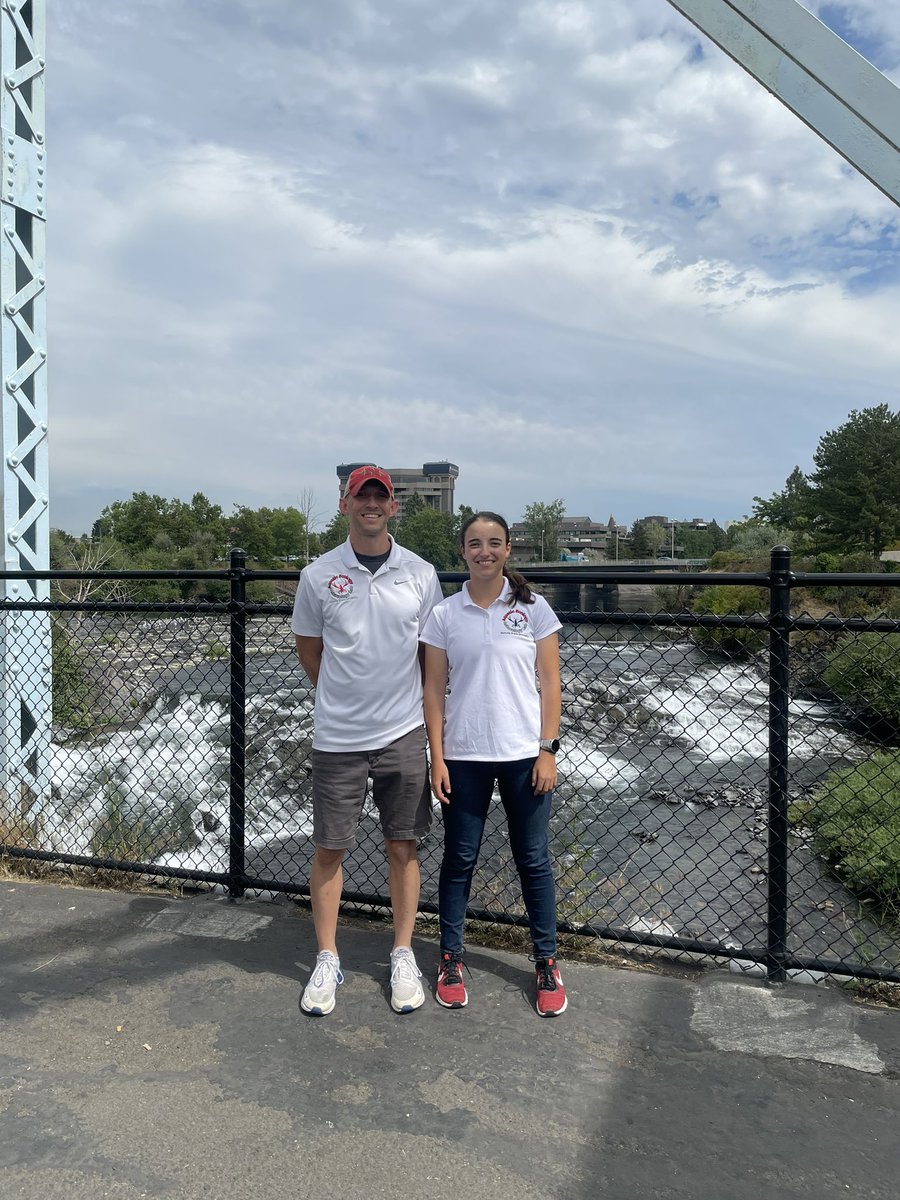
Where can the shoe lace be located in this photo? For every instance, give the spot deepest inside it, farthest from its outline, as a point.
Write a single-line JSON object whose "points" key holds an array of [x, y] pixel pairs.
{"points": [[404, 967], [325, 967], [451, 969], [546, 980]]}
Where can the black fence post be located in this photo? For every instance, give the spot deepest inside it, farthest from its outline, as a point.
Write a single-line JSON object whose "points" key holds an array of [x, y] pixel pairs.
{"points": [[238, 723], [779, 700]]}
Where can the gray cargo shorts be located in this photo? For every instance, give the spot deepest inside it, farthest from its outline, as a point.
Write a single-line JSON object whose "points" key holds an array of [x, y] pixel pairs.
{"points": [[400, 790]]}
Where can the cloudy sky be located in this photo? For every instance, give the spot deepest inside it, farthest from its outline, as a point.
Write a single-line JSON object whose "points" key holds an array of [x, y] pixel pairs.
{"points": [[567, 244]]}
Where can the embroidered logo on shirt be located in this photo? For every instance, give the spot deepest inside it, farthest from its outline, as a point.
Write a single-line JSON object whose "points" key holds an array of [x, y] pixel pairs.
{"points": [[340, 586], [515, 621]]}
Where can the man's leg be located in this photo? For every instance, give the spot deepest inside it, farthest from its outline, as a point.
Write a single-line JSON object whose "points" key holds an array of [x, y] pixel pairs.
{"points": [[339, 784], [326, 881], [339, 787], [403, 884], [403, 798]]}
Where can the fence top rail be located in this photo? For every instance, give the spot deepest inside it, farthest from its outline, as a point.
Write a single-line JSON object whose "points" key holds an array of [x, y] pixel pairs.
{"points": [[536, 574], [837, 579]]}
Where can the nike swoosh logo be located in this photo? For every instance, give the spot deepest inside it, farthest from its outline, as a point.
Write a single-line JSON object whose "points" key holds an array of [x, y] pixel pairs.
{"points": [[401, 581]]}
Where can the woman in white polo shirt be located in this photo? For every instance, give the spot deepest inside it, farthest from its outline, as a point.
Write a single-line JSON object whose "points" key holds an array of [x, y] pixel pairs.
{"points": [[490, 642]]}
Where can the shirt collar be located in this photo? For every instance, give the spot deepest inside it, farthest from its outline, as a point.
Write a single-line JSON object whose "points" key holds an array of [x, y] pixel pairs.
{"points": [[505, 597], [349, 559]]}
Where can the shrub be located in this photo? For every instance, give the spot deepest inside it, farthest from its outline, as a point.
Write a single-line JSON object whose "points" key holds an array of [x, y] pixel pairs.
{"points": [[723, 559], [855, 819], [73, 694], [864, 671], [732, 599]]}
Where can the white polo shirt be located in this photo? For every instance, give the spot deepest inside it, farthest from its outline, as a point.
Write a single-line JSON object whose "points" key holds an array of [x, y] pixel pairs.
{"points": [[370, 685], [493, 708]]}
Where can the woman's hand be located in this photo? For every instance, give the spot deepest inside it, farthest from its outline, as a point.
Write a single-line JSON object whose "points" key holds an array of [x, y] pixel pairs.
{"points": [[543, 776], [440, 781]]}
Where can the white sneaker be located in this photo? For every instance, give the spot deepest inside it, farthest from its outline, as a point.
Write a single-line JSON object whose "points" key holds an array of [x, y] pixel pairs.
{"points": [[406, 991], [318, 995]]}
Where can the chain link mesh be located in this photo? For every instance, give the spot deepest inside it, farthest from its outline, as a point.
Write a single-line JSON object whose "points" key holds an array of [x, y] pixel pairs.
{"points": [[660, 824]]}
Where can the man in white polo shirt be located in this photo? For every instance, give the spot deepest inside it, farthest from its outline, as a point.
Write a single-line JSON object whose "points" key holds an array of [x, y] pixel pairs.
{"points": [[358, 614]]}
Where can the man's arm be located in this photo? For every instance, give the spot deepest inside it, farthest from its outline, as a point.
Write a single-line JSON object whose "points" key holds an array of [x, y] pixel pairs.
{"points": [[309, 651]]}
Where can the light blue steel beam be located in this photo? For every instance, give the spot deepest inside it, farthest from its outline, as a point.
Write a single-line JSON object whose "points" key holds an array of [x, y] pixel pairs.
{"points": [[834, 90], [25, 643]]}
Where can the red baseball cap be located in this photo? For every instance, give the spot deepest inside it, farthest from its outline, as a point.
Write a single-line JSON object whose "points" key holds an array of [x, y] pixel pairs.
{"points": [[368, 474]]}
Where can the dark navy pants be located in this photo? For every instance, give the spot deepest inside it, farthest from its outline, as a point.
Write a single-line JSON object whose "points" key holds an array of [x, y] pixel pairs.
{"points": [[528, 823]]}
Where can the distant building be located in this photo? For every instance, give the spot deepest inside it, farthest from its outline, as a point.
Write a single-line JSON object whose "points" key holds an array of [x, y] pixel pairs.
{"points": [[577, 536], [434, 483]]}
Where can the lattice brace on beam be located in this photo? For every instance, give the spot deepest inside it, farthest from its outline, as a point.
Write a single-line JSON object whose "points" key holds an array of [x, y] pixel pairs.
{"points": [[25, 636]]}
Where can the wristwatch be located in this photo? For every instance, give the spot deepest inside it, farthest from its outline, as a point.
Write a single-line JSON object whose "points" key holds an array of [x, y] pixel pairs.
{"points": [[550, 744]]}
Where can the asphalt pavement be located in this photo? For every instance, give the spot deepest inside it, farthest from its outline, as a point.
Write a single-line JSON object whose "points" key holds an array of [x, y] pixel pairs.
{"points": [[152, 1045]]}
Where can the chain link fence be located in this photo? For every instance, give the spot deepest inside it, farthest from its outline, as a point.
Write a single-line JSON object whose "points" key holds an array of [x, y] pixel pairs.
{"points": [[729, 781]]}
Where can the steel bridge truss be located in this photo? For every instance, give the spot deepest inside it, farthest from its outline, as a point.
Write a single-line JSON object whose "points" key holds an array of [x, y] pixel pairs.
{"points": [[25, 640]]}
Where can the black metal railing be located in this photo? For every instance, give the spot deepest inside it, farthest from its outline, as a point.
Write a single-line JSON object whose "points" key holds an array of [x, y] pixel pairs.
{"points": [[729, 781]]}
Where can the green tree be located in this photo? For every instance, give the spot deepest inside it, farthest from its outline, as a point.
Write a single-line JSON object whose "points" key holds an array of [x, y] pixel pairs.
{"points": [[855, 488], [288, 532], [462, 515], [413, 505], [430, 533], [149, 520], [251, 530], [751, 539], [133, 523], [335, 532], [647, 539], [542, 522], [789, 508]]}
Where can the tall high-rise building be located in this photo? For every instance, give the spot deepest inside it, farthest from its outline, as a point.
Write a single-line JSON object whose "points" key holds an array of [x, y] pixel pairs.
{"points": [[434, 483]]}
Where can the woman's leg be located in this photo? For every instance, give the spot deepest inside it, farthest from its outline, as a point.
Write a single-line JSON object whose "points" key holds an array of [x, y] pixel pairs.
{"points": [[471, 786], [528, 820]]}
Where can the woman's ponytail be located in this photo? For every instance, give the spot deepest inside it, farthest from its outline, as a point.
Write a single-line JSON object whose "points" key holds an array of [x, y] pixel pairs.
{"points": [[519, 586]]}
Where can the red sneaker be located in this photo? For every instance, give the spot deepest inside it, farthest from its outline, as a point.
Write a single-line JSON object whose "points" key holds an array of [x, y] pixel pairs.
{"points": [[551, 995], [451, 991]]}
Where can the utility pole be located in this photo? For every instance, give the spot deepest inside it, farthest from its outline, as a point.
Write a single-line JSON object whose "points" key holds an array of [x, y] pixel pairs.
{"points": [[25, 647]]}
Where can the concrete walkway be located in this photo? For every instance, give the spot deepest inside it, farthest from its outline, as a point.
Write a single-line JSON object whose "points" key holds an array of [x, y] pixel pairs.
{"points": [[152, 1046]]}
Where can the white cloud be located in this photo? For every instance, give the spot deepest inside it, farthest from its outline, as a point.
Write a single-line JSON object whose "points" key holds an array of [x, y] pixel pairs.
{"points": [[570, 246]]}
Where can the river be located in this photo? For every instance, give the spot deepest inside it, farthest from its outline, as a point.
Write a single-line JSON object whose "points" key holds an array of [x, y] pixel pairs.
{"points": [[659, 817]]}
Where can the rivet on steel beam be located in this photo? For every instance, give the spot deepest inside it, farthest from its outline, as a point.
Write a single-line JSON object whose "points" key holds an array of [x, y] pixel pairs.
{"points": [[11, 310], [13, 537], [45, 500], [40, 155], [11, 83], [12, 385], [43, 426], [13, 461], [42, 353], [10, 196], [38, 137], [41, 280], [40, 62]]}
